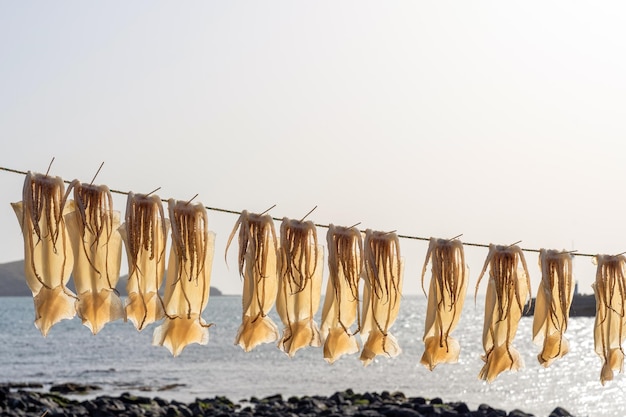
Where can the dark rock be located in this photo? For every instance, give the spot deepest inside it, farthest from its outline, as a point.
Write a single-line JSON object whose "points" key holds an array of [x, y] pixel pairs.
{"points": [[560, 412], [398, 396], [160, 401], [371, 397], [21, 385], [519, 413], [277, 398], [102, 413], [169, 387], [460, 408], [387, 409], [182, 408], [491, 412], [172, 411], [417, 400], [225, 402], [436, 400], [72, 388], [426, 409], [367, 413], [115, 405], [402, 412], [17, 403], [338, 398], [59, 400], [134, 399]]}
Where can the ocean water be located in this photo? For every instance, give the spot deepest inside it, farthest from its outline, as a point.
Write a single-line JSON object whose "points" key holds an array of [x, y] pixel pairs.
{"points": [[121, 359]]}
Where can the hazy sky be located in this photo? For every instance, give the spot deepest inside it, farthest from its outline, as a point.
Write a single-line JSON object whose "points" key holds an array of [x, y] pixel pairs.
{"points": [[503, 121]]}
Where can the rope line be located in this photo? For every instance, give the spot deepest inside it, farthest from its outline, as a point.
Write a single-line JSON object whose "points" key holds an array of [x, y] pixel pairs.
{"points": [[221, 210]]}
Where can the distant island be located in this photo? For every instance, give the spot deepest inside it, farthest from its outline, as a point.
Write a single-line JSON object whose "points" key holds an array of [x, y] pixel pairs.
{"points": [[13, 283]]}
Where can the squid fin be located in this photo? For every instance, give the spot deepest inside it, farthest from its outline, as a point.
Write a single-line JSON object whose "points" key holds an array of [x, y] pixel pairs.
{"points": [[52, 306], [97, 309], [175, 334], [254, 332], [379, 344], [338, 343], [501, 358], [554, 347], [300, 334], [143, 309], [436, 352], [615, 362]]}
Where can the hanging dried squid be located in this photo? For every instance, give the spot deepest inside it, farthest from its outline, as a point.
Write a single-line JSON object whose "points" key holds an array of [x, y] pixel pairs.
{"points": [[341, 304], [257, 261], [382, 292], [188, 279], [446, 296], [144, 233], [300, 284], [97, 246], [507, 293], [48, 258], [610, 323], [552, 304]]}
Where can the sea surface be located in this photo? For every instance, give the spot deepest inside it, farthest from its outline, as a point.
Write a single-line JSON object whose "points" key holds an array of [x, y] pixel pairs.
{"points": [[121, 359]]}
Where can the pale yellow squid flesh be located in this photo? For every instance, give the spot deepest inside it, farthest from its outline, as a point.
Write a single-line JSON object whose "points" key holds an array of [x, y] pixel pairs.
{"points": [[144, 233], [48, 258], [610, 323], [257, 262], [383, 271], [188, 279], [507, 293], [301, 264], [93, 228], [341, 303], [446, 296], [552, 305]]}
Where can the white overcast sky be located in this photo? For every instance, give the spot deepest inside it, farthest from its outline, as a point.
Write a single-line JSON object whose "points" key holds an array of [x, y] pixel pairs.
{"points": [[503, 121]]}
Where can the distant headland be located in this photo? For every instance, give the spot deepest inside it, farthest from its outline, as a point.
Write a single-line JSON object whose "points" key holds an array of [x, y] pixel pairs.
{"points": [[13, 284]]}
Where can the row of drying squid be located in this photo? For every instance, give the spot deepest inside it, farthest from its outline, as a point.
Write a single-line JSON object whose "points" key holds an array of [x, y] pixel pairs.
{"points": [[83, 236]]}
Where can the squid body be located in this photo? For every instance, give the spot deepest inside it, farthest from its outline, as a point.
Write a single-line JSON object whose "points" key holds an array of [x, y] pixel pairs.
{"points": [[507, 293], [552, 304], [382, 292], [144, 233], [258, 251], [341, 303], [48, 258], [300, 283], [446, 296], [188, 279], [610, 323], [97, 245]]}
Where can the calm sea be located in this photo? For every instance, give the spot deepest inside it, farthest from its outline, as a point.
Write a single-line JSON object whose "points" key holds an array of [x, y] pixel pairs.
{"points": [[120, 359]]}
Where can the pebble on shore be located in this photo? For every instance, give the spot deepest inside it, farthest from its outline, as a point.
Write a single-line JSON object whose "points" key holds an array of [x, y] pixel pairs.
{"points": [[22, 400]]}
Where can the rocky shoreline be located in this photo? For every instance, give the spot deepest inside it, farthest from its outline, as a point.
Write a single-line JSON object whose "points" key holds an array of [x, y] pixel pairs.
{"points": [[26, 400]]}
